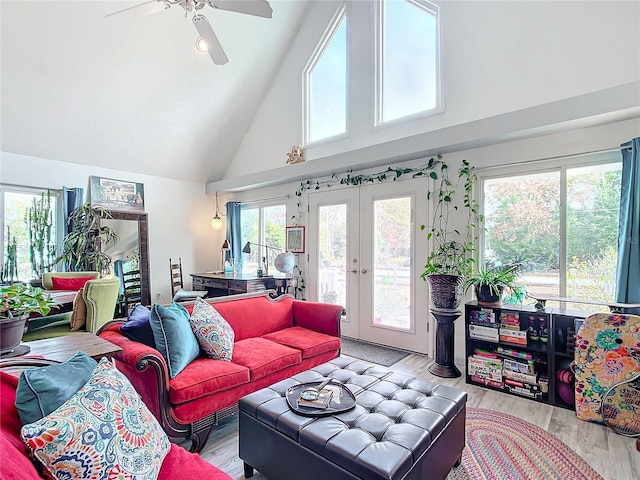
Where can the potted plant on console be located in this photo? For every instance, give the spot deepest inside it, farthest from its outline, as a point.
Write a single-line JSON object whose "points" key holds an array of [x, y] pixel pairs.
{"points": [[491, 283], [452, 256], [18, 301]]}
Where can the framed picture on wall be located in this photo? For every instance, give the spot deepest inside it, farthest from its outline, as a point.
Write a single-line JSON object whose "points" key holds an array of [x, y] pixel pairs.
{"points": [[295, 239], [116, 194]]}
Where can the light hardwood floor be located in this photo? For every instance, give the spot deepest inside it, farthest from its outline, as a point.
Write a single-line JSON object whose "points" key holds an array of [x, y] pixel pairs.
{"points": [[613, 456]]}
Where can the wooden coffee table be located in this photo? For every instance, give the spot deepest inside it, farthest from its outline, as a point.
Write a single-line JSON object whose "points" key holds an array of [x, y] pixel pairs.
{"points": [[62, 348]]}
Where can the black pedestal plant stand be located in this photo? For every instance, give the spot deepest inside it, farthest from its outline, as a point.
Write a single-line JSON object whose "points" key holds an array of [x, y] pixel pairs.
{"points": [[445, 337], [445, 296]]}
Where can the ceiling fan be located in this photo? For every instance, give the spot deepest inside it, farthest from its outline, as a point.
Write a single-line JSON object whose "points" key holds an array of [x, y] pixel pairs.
{"points": [[208, 41]]}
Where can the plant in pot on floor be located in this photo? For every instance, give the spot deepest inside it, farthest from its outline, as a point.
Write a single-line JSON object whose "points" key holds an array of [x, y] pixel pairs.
{"points": [[452, 256], [18, 301], [490, 284]]}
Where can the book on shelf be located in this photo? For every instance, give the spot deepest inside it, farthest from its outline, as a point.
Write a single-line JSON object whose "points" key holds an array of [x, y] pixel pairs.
{"points": [[323, 401], [482, 316], [510, 320]]}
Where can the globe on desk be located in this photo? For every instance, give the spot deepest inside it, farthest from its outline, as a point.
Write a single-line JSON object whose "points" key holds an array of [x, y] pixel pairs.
{"points": [[285, 262]]}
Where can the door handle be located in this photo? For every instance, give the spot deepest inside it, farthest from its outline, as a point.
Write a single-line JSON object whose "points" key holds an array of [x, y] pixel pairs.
{"points": [[365, 270], [355, 270]]}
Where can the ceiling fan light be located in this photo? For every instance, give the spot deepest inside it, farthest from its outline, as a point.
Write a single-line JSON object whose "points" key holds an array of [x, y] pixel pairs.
{"points": [[201, 45], [216, 222]]}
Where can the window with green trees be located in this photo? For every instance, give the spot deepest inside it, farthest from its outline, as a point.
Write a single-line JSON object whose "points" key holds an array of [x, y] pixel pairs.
{"points": [[563, 224], [24, 213], [266, 226]]}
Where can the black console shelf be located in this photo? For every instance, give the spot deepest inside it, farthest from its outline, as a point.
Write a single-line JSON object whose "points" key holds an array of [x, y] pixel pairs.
{"points": [[509, 360]]}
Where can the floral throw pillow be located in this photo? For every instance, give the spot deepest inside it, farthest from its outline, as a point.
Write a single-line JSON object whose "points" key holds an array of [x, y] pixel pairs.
{"points": [[214, 334], [104, 431]]}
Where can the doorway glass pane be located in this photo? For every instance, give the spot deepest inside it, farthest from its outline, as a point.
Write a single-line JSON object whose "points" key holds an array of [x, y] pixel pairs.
{"points": [[332, 241], [392, 263]]}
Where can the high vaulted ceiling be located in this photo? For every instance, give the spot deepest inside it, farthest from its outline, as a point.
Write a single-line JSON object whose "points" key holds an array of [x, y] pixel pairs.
{"points": [[130, 92]]}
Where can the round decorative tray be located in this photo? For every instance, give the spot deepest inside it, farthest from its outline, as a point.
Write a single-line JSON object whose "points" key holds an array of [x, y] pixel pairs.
{"points": [[342, 400]]}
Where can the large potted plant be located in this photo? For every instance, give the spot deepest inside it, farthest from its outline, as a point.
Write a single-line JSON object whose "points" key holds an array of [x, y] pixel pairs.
{"points": [[490, 283], [82, 247], [18, 301], [452, 256]]}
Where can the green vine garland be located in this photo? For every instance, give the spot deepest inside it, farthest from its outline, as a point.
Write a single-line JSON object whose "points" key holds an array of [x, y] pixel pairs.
{"points": [[426, 170]]}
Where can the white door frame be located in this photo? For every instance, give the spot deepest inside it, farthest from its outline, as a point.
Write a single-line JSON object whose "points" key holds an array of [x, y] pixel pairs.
{"points": [[359, 254]]}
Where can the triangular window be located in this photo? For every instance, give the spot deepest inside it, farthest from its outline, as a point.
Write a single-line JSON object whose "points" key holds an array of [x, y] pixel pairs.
{"points": [[326, 84]]}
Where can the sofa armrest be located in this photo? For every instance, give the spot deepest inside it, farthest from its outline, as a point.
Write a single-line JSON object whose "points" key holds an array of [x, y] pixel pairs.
{"points": [[147, 371], [320, 317]]}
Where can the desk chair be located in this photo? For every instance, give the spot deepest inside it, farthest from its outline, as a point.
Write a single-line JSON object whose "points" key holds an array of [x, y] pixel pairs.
{"points": [[175, 269], [178, 293]]}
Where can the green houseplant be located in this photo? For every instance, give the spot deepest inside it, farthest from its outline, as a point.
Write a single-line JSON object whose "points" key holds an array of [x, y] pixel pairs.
{"points": [[81, 249], [452, 256], [18, 301], [489, 283]]}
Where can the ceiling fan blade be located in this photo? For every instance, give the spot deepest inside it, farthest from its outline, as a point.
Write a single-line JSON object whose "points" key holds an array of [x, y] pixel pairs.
{"points": [[216, 52], [259, 8], [159, 6]]}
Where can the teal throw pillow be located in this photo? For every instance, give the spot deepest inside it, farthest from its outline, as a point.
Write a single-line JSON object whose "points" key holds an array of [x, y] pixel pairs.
{"points": [[173, 336], [41, 390], [212, 331], [104, 431]]}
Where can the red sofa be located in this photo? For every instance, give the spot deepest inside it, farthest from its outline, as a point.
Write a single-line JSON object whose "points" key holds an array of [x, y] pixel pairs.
{"points": [[274, 339], [15, 463]]}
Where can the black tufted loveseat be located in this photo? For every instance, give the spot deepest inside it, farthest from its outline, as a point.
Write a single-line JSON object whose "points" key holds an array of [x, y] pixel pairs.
{"points": [[401, 428]]}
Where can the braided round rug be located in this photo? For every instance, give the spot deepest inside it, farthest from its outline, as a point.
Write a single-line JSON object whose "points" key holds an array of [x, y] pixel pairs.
{"points": [[503, 447]]}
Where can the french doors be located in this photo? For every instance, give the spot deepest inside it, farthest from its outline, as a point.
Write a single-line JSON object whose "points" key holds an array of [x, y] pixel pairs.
{"points": [[362, 255]]}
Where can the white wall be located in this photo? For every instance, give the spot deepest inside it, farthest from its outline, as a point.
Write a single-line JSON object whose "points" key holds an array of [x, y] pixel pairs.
{"points": [[497, 57], [178, 212]]}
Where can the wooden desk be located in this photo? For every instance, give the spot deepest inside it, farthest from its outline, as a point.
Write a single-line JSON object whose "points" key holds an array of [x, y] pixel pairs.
{"points": [[63, 348], [221, 284]]}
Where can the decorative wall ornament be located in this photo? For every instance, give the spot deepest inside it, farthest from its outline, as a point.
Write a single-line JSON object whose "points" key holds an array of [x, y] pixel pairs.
{"points": [[295, 239], [296, 154]]}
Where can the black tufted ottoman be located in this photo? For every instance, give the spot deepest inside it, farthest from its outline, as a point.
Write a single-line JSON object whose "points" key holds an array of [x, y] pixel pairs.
{"points": [[401, 428]]}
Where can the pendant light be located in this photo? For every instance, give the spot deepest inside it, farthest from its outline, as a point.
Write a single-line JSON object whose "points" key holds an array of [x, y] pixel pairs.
{"points": [[216, 221]]}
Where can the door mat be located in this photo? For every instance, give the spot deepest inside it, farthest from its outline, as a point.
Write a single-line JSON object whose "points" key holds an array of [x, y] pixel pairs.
{"points": [[372, 353]]}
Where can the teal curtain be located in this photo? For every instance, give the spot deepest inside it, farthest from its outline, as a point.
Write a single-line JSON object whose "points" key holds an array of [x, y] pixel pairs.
{"points": [[234, 234], [118, 271], [72, 198], [628, 272]]}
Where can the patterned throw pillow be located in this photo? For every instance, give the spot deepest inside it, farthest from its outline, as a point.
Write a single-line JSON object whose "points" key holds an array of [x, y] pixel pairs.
{"points": [[104, 431], [214, 334]]}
